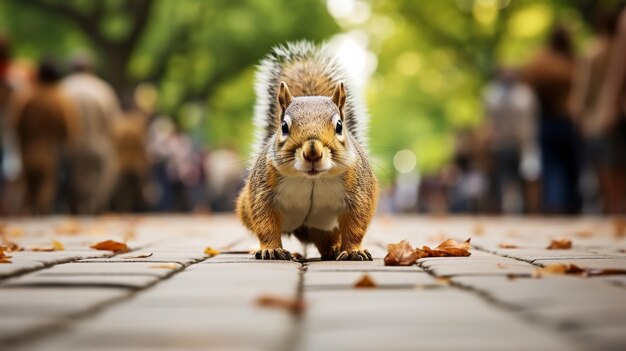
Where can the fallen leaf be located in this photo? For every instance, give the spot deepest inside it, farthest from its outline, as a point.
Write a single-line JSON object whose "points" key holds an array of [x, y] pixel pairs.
{"points": [[166, 266], [508, 246], [209, 251], [479, 229], [448, 248], [560, 244], [443, 280], [110, 245], [619, 227], [584, 234], [365, 282], [56, 246], [5, 260], [2, 255], [297, 256], [561, 269], [68, 228], [400, 254], [293, 306], [138, 256], [10, 246]]}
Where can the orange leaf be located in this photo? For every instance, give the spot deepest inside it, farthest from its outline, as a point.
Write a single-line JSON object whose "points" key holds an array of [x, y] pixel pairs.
{"points": [[2, 255], [448, 248], [400, 254], [10, 246], [294, 306], [560, 244], [209, 251], [508, 246], [138, 256], [5, 260], [70, 227], [110, 245], [166, 266], [619, 227], [56, 246], [365, 282], [576, 270]]}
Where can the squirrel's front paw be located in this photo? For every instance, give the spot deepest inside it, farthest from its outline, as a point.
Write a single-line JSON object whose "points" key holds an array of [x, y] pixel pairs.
{"points": [[273, 254], [355, 255]]}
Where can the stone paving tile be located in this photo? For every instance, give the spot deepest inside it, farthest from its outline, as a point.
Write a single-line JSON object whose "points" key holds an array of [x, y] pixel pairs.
{"points": [[54, 302], [605, 337], [15, 324], [77, 280], [488, 264], [360, 266], [531, 255], [599, 263], [173, 327], [388, 279], [115, 268], [159, 257], [19, 266], [444, 319]]}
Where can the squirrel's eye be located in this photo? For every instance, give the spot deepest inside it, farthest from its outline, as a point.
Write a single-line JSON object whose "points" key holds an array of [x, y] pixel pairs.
{"points": [[285, 128], [339, 127]]}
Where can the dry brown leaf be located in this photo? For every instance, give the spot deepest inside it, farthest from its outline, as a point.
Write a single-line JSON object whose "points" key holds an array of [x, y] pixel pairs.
{"points": [[448, 248], [138, 256], [56, 246], [479, 229], [209, 251], [293, 306], [400, 254], [166, 266], [365, 282], [110, 245], [508, 246], [10, 246], [2, 254], [619, 227], [560, 244], [5, 260], [559, 269], [584, 234], [443, 280], [70, 227]]}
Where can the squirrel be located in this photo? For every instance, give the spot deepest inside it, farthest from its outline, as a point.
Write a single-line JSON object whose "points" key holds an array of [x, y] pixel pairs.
{"points": [[310, 174]]}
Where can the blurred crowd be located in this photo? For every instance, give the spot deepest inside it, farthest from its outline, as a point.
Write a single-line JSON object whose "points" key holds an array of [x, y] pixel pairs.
{"points": [[553, 141], [71, 145], [554, 135]]}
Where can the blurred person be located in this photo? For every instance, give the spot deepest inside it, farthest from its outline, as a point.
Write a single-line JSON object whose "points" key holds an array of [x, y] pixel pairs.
{"points": [[132, 164], [93, 162], [588, 101], [549, 74], [6, 90], [604, 141], [464, 176], [46, 124], [511, 132], [224, 178]]}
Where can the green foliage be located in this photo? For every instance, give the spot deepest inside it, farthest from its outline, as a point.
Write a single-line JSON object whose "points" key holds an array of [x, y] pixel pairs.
{"points": [[434, 57]]}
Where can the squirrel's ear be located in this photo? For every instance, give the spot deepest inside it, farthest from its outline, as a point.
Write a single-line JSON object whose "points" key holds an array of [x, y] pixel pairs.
{"points": [[339, 96], [284, 96]]}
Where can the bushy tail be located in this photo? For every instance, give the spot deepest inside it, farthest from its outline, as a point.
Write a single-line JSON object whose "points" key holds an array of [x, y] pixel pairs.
{"points": [[268, 80]]}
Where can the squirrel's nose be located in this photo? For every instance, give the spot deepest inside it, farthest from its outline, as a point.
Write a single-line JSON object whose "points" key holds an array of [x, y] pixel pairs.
{"points": [[312, 151]]}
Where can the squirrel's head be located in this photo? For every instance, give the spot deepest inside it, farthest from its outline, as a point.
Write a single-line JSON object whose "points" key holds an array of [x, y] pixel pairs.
{"points": [[312, 139]]}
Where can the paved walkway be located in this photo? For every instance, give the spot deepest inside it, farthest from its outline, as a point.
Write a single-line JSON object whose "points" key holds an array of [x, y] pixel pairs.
{"points": [[179, 298]]}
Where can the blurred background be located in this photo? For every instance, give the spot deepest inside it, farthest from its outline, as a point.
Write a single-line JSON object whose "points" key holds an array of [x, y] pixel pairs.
{"points": [[478, 106]]}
